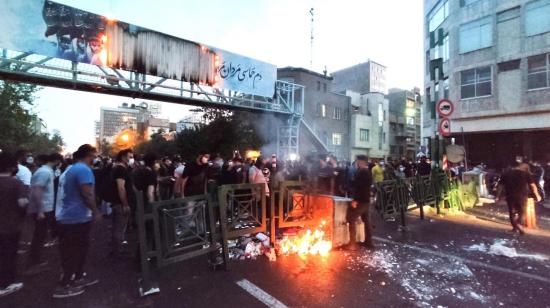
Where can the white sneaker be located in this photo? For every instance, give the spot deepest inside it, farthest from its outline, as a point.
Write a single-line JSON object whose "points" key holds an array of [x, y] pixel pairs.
{"points": [[12, 288]]}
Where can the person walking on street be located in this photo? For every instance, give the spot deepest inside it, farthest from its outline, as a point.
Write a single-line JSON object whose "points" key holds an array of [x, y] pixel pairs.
{"points": [[74, 222], [518, 185], [122, 191], [41, 209], [14, 200], [361, 204]]}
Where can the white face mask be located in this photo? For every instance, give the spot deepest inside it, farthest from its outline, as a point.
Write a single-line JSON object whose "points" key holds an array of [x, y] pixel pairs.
{"points": [[131, 162], [30, 160]]}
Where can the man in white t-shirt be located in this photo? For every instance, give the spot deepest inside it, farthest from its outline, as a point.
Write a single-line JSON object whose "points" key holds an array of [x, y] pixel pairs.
{"points": [[23, 173], [178, 172]]}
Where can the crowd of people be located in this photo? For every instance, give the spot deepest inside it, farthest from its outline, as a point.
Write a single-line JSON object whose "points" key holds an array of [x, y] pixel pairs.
{"points": [[63, 196]]}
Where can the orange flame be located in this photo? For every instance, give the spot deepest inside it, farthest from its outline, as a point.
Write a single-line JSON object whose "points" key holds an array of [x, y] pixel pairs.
{"points": [[307, 242]]}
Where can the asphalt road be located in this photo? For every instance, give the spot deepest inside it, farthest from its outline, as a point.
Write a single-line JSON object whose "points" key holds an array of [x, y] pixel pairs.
{"points": [[446, 262]]}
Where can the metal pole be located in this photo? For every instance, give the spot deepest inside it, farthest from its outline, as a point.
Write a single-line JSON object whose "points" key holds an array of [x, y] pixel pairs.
{"points": [[465, 149]]}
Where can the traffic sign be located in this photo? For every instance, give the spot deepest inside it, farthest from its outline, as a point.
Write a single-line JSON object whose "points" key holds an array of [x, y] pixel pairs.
{"points": [[445, 127], [445, 108]]}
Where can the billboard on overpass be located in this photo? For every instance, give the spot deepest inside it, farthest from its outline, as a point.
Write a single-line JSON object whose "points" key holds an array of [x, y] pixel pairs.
{"points": [[56, 30]]}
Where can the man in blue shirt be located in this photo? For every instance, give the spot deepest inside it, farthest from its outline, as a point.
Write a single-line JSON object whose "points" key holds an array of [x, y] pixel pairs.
{"points": [[74, 222]]}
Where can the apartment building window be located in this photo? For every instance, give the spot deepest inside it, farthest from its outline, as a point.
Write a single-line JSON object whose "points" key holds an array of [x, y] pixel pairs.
{"points": [[445, 47], [318, 86], [321, 110], [337, 139], [476, 82], [437, 16], [364, 135], [537, 18], [538, 72], [446, 88], [337, 113], [410, 121], [325, 87], [476, 35], [464, 3]]}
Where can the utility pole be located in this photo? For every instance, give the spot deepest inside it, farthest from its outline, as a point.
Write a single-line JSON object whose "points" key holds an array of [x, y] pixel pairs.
{"points": [[311, 41]]}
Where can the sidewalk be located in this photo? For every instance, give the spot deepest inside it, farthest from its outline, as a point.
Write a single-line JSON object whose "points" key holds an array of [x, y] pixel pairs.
{"points": [[498, 212]]}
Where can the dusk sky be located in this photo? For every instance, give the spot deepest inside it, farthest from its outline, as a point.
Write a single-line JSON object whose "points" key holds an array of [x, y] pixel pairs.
{"points": [[347, 32]]}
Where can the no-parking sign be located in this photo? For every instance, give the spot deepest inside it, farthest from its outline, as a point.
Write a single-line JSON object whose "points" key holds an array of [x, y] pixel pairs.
{"points": [[445, 108], [445, 127]]}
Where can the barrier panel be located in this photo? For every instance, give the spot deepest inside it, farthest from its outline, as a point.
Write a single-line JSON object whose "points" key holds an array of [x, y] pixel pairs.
{"points": [[175, 230], [243, 209]]}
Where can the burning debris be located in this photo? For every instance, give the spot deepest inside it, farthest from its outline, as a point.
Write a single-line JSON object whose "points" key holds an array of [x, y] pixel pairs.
{"points": [[306, 242]]}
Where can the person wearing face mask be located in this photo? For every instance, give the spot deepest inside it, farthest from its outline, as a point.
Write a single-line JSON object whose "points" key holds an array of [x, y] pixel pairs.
{"points": [[194, 176], [378, 172], [41, 209], [120, 198]]}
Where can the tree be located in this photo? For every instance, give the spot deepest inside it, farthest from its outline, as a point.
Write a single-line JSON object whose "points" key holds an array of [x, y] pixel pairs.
{"points": [[16, 120]]}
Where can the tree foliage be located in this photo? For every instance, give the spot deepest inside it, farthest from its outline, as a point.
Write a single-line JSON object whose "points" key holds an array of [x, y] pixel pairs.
{"points": [[224, 133], [16, 121]]}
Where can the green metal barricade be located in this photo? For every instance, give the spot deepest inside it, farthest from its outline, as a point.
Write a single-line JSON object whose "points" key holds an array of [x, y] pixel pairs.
{"points": [[176, 230]]}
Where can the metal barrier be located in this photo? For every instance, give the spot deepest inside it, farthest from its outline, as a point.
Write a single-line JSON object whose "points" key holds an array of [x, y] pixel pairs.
{"points": [[175, 230], [243, 209], [392, 197]]}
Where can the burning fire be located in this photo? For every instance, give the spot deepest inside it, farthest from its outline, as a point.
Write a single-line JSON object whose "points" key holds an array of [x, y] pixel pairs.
{"points": [[307, 242]]}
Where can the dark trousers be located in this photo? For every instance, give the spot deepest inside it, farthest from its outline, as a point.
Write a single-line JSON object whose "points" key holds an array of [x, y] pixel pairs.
{"points": [[41, 228], [74, 241], [516, 206], [8, 258], [362, 210], [120, 224]]}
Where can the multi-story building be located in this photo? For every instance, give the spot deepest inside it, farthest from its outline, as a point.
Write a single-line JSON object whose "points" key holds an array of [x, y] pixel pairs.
{"points": [[405, 123], [369, 125], [135, 117], [367, 77], [492, 59], [325, 125], [114, 120]]}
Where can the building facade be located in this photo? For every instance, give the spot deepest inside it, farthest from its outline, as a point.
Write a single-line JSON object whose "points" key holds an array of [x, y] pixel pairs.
{"points": [[369, 125], [325, 125], [405, 123], [492, 59], [367, 77]]}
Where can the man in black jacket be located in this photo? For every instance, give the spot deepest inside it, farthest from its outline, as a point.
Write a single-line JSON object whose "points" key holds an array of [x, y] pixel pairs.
{"points": [[360, 204]]}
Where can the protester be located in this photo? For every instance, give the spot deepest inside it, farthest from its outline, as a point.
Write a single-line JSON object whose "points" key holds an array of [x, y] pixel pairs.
{"points": [[14, 200], [361, 203], [178, 172], [256, 175], [23, 173], [378, 171], [146, 178], [41, 208], [166, 179], [194, 176], [518, 185], [121, 194], [424, 168], [74, 223]]}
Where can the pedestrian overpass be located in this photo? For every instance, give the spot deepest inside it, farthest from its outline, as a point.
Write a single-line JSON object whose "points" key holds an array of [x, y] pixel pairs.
{"points": [[87, 52]]}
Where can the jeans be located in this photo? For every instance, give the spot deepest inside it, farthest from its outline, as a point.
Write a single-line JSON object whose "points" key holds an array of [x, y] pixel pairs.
{"points": [[120, 223], [8, 258], [362, 210], [74, 242], [40, 233]]}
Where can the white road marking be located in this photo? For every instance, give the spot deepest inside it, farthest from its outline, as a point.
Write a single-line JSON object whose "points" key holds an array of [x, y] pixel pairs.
{"points": [[260, 294], [468, 261]]}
